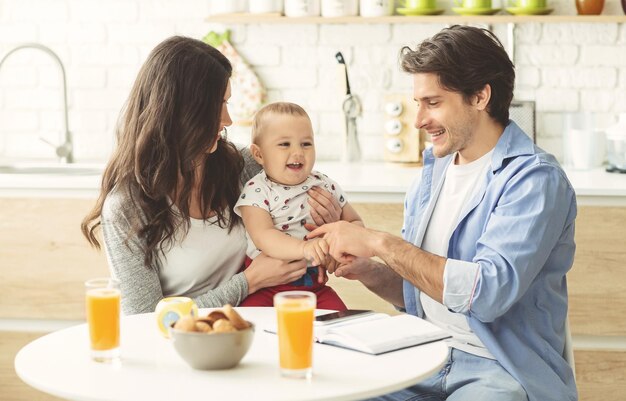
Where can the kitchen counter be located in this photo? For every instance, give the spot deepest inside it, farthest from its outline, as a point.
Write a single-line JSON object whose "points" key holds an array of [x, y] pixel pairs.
{"points": [[367, 182]]}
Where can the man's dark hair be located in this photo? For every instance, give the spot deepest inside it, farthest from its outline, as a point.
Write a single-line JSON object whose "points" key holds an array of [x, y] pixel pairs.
{"points": [[466, 59]]}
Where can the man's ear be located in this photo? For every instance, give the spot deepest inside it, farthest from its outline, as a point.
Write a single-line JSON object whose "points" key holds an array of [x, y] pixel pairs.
{"points": [[256, 153], [482, 97]]}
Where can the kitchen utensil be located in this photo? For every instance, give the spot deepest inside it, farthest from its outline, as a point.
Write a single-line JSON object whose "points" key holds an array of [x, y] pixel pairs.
{"points": [[265, 6], [102, 299], [376, 8], [616, 145], [248, 93], [351, 107], [302, 8], [589, 7], [212, 351], [403, 142], [421, 11], [583, 140], [529, 11], [340, 8], [226, 7], [475, 11]]}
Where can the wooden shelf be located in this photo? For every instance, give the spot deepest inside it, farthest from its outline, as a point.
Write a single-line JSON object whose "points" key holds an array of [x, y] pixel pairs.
{"points": [[399, 19]]}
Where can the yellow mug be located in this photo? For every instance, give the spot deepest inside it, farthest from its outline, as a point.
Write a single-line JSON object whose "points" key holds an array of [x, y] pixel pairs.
{"points": [[170, 309]]}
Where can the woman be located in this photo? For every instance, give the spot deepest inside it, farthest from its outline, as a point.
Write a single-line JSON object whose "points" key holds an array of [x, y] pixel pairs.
{"points": [[168, 192]]}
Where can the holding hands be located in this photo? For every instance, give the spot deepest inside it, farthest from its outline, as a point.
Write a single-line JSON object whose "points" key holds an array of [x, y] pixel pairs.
{"points": [[315, 251], [346, 240]]}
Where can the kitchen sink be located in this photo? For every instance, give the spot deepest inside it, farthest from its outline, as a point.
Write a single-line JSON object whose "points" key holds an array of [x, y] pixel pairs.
{"points": [[52, 169]]}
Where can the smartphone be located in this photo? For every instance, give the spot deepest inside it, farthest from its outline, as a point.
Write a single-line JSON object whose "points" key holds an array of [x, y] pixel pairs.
{"points": [[342, 316]]}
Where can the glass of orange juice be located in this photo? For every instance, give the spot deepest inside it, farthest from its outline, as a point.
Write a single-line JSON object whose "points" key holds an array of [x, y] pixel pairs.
{"points": [[295, 311], [102, 298]]}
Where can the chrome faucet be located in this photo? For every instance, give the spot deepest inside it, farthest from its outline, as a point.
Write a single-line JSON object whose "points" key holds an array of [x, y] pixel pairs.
{"points": [[65, 150]]}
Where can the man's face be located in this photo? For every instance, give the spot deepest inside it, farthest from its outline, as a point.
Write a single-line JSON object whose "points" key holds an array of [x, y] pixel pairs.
{"points": [[286, 149], [447, 118]]}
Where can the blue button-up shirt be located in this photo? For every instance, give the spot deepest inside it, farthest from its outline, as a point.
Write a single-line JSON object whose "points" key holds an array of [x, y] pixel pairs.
{"points": [[507, 260]]}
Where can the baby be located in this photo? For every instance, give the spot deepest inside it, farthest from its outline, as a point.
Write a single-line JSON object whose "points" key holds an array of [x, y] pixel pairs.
{"points": [[273, 204]]}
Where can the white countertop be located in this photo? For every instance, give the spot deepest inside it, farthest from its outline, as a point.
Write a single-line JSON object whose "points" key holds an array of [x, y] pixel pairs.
{"points": [[363, 182]]}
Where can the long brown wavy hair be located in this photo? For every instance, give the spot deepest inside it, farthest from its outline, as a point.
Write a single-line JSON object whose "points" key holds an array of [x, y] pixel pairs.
{"points": [[170, 120]]}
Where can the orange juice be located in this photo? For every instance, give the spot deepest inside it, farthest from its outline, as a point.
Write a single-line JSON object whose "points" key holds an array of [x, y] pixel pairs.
{"points": [[103, 317], [295, 312]]}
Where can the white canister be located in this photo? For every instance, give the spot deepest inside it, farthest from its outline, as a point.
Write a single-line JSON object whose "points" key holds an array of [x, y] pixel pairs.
{"points": [[584, 141], [376, 8], [265, 6], [340, 8], [227, 7], [302, 8]]}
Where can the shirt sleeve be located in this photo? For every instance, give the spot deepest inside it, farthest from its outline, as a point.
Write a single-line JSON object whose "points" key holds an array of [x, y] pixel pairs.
{"points": [[254, 193], [535, 209], [140, 285]]}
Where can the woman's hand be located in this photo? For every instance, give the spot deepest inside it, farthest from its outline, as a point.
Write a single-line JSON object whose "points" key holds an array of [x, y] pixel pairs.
{"points": [[268, 272], [324, 207]]}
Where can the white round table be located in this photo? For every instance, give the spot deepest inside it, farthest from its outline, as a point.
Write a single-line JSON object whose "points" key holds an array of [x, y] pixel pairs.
{"points": [[59, 364]]}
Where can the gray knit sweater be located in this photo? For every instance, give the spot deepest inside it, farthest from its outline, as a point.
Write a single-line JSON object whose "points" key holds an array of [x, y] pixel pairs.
{"points": [[141, 286]]}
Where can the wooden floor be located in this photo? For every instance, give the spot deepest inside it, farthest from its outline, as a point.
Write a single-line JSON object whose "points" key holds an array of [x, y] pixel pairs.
{"points": [[11, 387]]}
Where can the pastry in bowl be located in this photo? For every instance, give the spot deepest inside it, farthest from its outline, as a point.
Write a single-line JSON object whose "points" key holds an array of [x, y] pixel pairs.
{"points": [[217, 341]]}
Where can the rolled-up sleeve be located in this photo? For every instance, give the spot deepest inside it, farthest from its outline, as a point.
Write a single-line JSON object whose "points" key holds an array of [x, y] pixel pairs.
{"points": [[459, 284], [534, 211]]}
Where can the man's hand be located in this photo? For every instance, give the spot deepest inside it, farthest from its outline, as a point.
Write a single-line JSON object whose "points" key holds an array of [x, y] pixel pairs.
{"points": [[346, 240], [315, 251], [355, 269]]}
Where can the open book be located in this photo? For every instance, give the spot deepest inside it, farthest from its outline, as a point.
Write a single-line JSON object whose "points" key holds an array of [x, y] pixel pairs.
{"points": [[377, 333]]}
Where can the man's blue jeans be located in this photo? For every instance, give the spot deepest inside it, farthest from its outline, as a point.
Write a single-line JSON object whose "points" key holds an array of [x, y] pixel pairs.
{"points": [[465, 377]]}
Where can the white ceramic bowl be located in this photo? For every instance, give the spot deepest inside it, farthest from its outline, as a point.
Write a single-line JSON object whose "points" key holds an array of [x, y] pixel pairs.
{"points": [[212, 351]]}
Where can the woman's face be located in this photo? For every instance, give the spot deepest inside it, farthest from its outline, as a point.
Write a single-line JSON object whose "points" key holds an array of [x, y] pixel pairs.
{"points": [[225, 119]]}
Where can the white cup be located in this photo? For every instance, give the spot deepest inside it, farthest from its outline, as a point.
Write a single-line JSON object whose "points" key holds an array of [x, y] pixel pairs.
{"points": [[376, 8], [340, 8], [302, 8], [584, 141], [227, 7], [265, 6]]}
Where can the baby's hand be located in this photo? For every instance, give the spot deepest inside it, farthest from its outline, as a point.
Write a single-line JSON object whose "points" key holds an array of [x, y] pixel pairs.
{"points": [[315, 251]]}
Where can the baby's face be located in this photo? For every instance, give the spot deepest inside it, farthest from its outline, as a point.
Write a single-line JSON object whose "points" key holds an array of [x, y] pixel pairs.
{"points": [[286, 149]]}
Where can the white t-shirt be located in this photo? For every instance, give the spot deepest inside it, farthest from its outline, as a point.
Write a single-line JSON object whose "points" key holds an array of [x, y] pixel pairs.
{"points": [[210, 256], [287, 205], [460, 183]]}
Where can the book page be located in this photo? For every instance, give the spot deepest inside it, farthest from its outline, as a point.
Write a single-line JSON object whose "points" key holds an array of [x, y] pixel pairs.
{"points": [[383, 335]]}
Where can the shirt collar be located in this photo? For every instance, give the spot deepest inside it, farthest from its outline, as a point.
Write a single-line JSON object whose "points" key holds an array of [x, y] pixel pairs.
{"points": [[513, 142]]}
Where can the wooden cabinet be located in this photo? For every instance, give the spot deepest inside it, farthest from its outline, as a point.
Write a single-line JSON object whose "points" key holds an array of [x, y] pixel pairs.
{"points": [[44, 261]]}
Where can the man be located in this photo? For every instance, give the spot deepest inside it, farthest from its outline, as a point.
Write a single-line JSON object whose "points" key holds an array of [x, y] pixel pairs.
{"points": [[488, 232]]}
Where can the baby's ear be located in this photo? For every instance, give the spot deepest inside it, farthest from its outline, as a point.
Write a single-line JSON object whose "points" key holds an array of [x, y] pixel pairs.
{"points": [[256, 153]]}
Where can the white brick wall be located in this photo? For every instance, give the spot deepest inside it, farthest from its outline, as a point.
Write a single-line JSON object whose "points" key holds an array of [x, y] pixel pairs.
{"points": [[563, 67]]}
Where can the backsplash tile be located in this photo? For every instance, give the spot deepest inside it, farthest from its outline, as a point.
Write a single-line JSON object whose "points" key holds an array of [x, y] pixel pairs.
{"points": [[564, 67]]}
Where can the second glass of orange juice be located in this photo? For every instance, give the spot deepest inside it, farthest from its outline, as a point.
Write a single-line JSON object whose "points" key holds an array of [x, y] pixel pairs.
{"points": [[295, 311], [102, 300]]}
